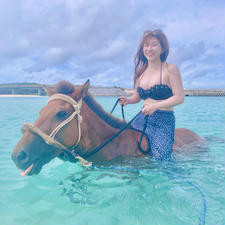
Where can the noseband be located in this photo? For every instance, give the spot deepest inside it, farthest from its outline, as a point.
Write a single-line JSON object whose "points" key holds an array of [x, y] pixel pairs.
{"points": [[50, 139]]}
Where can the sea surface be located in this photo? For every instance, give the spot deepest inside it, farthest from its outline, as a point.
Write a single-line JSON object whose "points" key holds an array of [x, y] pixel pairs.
{"points": [[188, 190]]}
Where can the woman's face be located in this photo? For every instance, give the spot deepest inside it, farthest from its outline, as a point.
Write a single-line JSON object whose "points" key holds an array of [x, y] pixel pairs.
{"points": [[152, 49]]}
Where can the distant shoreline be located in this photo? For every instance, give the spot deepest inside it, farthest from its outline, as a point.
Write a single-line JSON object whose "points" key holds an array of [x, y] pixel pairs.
{"points": [[19, 96], [106, 95], [38, 91]]}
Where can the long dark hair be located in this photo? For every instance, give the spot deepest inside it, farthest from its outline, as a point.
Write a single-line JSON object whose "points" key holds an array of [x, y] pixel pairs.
{"points": [[141, 61]]}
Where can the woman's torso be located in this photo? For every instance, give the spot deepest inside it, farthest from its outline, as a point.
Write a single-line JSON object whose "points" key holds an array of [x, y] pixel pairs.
{"points": [[154, 86]]}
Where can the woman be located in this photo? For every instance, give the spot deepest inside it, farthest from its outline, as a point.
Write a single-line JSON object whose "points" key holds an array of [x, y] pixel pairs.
{"points": [[160, 86]]}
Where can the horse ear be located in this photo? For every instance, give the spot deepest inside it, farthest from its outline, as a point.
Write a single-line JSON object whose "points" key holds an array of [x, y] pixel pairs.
{"points": [[81, 91], [85, 88], [49, 91]]}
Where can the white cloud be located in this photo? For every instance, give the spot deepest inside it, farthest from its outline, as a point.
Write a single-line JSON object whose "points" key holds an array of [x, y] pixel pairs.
{"points": [[112, 49], [49, 40]]}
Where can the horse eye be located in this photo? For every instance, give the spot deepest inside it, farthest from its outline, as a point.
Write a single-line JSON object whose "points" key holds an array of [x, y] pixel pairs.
{"points": [[61, 115]]}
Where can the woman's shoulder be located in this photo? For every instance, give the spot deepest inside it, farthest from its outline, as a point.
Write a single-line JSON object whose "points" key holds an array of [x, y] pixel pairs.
{"points": [[172, 69]]}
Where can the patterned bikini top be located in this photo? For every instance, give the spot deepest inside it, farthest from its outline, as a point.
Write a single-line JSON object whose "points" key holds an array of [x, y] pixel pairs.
{"points": [[157, 92]]}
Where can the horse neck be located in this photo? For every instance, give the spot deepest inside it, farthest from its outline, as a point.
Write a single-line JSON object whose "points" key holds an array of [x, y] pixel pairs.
{"points": [[94, 130]]}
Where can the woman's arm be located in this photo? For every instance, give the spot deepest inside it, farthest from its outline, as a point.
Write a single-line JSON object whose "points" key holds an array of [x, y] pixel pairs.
{"points": [[177, 88], [131, 100]]}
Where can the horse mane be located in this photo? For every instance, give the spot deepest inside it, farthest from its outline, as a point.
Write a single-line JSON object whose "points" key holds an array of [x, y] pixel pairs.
{"points": [[107, 117], [67, 88]]}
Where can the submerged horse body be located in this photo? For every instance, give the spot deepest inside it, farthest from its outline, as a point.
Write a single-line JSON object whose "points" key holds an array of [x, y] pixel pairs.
{"points": [[73, 121]]}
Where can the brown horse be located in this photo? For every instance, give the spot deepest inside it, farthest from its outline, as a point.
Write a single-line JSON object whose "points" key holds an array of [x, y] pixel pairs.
{"points": [[72, 124]]}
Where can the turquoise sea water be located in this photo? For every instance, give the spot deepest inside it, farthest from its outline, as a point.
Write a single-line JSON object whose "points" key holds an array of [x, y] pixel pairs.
{"points": [[167, 194]]}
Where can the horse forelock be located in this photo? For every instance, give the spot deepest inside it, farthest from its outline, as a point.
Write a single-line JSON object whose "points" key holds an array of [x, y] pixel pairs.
{"points": [[105, 116], [64, 87]]}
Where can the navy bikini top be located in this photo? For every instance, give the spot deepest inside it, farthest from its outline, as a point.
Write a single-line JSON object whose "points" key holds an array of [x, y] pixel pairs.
{"points": [[156, 92]]}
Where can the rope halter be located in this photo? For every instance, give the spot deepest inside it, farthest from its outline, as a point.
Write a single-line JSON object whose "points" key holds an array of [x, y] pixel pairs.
{"points": [[50, 139], [76, 106]]}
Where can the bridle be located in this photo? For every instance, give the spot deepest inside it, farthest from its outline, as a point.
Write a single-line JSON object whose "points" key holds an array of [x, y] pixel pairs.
{"points": [[76, 106], [50, 139]]}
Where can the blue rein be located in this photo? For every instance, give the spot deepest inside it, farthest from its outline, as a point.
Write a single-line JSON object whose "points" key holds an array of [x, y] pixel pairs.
{"points": [[168, 173]]}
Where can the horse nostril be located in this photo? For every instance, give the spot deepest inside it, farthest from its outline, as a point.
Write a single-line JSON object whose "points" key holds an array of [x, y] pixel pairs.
{"points": [[22, 156]]}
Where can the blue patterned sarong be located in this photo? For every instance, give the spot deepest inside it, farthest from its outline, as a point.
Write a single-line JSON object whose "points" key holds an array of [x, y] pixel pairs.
{"points": [[160, 132]]}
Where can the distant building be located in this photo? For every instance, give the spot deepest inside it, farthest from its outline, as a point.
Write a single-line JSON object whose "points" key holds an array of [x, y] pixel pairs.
{"points": [[22, 89]]}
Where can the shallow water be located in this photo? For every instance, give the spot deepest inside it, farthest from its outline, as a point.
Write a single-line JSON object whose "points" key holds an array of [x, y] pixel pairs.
{"points": [[143, 192]]}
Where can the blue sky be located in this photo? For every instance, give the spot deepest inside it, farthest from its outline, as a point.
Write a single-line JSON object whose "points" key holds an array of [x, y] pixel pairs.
{"points": [[45, 41]]}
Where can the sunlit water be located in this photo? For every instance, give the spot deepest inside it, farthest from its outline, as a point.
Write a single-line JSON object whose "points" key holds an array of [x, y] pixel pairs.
{"points": [[142, 193]]}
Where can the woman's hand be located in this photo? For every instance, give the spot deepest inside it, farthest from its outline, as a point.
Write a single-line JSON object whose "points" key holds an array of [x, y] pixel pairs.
{"points": [[124, 101], [149, 108]]}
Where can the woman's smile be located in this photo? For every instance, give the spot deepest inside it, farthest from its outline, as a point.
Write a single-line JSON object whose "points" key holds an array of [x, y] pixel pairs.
{"points": [[149, 54]]}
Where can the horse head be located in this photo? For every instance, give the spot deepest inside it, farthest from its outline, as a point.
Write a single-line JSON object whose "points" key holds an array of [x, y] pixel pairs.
{"points": [[56, 130]]}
